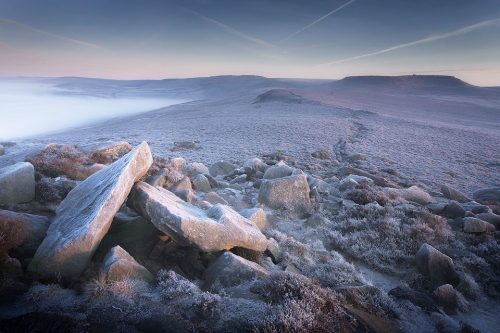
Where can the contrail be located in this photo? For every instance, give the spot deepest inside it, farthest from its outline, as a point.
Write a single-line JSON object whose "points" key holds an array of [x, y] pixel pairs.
{"points": [[47, 33], [461, 31], [318, 20], [234, 31]]}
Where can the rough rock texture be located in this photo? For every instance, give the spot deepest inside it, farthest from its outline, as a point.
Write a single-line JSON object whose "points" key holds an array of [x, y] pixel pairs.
{"points": [[201, 183], [290, 193], [438, 267], [84, 217], [453, 210], [110, 152], [31, 227], [491, 218], [230, 270], [279, 170], [453, 194], [217, 229], [119, 265], [487, 194], [17, 183], [214, 198], [477, 226], [254, 165], [197, 168], [221, 168], [415, 194], [257, 215]]}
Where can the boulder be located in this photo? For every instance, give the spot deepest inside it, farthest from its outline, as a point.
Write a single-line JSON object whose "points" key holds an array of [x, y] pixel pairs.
{"points": [[438, 267], [347, 183], [219, 228], [85, 215], [453, 194], [289, 193], [201, 183], [165, 177], [491, 218], [197, 168], [448, 298], [107, 152], [254, 165], [487, 194], [186, 195], [453, 210], [230, 270], [30, 231], [239, 179], [476, 226], [221, 168], [119, 265], [178, 163], [414, 194], [214, 198], [17, 183], [257, 215], [273, 250], [279, 170], [181, 185]]}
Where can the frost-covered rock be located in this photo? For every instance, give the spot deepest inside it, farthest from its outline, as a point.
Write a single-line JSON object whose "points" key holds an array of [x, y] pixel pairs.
{"points": [[197, 168], [438, 267], [477, 226], [85, 215], [119, 265], [181, 185], [107, 152], [453, 194], [32, 228], [453, 210], [253, 165], [230, 270], [487, 194], [17, 183], [289, 193], [201, 183], [491, 218], [414, 194], [217, 229], [221, 168], [347, 183], [278, 170], [214, 198], [257, 215]]}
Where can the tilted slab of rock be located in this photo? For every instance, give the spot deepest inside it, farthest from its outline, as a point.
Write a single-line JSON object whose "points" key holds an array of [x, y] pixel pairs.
{"points": [[84, 217], [476, 226], [17, 183], [437, 266], [219, 228], [119, 265]]}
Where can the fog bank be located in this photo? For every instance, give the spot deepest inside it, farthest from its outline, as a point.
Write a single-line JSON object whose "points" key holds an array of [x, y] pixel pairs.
{"points": [[30, 108]]}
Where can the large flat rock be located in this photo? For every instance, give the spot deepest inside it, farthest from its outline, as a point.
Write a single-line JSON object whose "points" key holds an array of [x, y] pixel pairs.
{"points": [[219, 228], [119, 265], [85, 215], [17, 183]]}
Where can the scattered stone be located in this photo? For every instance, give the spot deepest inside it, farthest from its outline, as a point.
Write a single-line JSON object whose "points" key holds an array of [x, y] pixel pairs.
{"points": [[476, 208], [219, 228], [214, 198], [453, 210], [17, 183], [289, 193], [273, 250], [178, 163], [453, 194], [491, 218], [380, 181], [197, 168], [253, 165], [221, 168], [230, 270], [84, 217], [257, 215], [165, 178], [487, 194], [239, 180], [109, 152], [477, 226], [322, 155], [30, 229], [119, 265], [279, 170], [438, 267], [201, 183], [185, 145], [212, 181]]}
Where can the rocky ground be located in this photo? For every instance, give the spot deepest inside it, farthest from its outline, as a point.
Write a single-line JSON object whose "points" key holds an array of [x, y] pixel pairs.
{"points": [[107, 237]]}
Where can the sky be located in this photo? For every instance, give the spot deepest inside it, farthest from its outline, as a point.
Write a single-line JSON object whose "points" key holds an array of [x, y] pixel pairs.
{"points": [[328, 39]]}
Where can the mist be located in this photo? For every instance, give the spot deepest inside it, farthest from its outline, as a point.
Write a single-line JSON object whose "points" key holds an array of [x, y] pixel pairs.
{"points": [[29, 108]]}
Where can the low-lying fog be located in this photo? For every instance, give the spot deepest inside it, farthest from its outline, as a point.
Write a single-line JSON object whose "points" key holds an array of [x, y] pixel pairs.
{"points": [[30, 108]]}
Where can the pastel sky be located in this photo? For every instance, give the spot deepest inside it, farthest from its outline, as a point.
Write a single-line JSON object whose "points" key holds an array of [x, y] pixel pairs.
{"points": [[153, 39]]}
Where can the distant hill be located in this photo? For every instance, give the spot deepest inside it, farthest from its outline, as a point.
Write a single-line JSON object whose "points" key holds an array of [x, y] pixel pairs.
{"points": [[282, 96]]}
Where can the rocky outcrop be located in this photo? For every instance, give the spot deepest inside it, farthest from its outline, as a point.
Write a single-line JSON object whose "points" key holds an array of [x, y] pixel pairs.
{"points": [[17, 183], [288, 193], [438, 267], [30, 230], [476, 226], [217, 229], [230, 270], [119, 265], [85, 215]]}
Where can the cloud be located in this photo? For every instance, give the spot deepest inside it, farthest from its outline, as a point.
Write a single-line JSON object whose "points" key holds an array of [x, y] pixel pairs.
{"points": [[458, 32], [234, 31], [47, 33], [318, 20]]}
